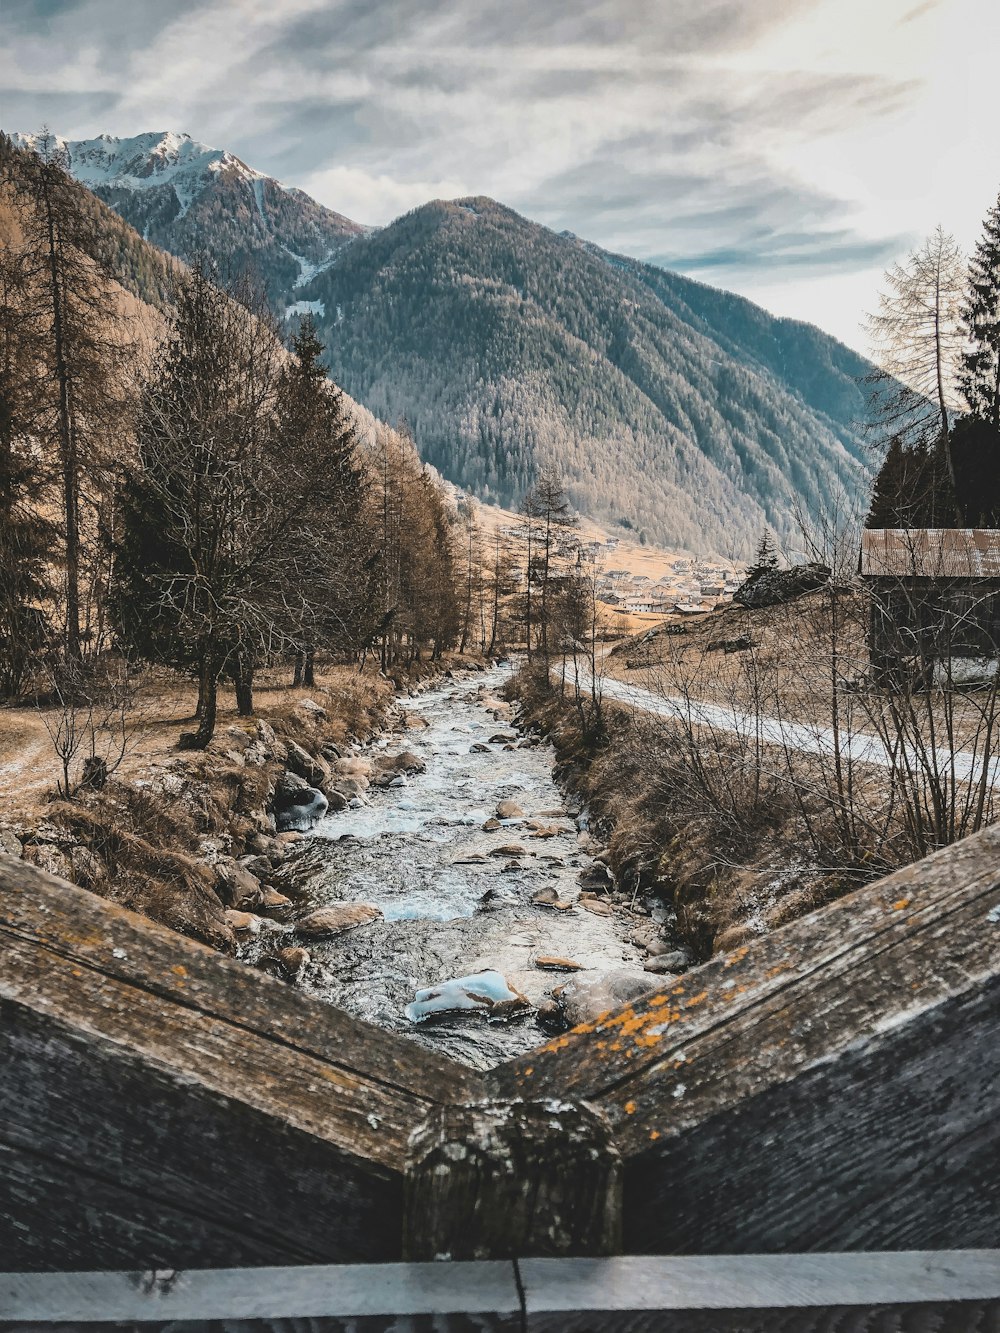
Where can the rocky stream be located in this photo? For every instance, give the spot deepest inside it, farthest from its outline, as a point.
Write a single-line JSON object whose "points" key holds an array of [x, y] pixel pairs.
{"points": [[459, 889]]}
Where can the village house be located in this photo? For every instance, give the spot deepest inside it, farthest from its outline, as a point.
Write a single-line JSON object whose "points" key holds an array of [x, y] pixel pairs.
{"points": [[935, 598]]}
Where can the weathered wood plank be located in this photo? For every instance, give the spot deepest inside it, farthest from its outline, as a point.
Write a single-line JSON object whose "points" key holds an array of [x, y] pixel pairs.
{"points": [[498, 1180], [163, 1106], [798, 1293], [835, 1086], [96, 933]]}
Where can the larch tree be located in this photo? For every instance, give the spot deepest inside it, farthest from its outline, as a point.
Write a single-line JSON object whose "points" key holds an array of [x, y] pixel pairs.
{"points": [[917, 341], [82, 354], [25, 535]]}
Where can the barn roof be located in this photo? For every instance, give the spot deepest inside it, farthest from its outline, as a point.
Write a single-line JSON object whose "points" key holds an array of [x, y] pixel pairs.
{"points": [[942, 553]]}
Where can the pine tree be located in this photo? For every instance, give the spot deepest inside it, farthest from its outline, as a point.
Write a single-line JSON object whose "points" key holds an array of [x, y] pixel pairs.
{"points": [[979, 378], [765, 557]]}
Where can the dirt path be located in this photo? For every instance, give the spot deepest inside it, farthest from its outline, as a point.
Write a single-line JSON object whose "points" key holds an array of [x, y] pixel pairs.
{"points": [[806, 738]]}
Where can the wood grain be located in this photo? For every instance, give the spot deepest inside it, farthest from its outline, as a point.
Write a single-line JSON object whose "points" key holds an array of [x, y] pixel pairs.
{"points": [[836, 1085], [497, 1180], [163, 1106]]}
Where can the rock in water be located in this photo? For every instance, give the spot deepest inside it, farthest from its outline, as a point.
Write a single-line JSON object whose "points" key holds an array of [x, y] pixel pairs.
{"points": [[509, 810], [585, 998], [297, 806], [333, 920], [484, 993]]}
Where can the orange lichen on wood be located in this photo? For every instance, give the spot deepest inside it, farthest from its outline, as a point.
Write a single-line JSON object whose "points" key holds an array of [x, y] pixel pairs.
{"points": [[900, 904], [736, 956]]}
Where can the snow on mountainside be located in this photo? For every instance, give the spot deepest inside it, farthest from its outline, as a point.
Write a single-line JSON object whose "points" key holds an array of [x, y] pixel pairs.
{"points": [[190, 198]]}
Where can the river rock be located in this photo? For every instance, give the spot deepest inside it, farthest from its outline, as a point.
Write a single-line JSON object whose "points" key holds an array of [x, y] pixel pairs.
{"points": [[595, 877], [553, 963], [273, 899], [10, 844], [509, 849], [671, 960], [297, 806], [660, 967], [548, 897], [389, 765], [492, 825], [235, 885], [597, 906], [486, 993], [584, 998], [244, 923], [479, 748], [315, 771], [332, 920], [546, 831], [509, 810], [293, 960], [354, 766]]}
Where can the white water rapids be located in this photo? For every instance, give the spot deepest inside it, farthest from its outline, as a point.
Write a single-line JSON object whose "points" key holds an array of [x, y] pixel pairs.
{"points": [[446, 915]]}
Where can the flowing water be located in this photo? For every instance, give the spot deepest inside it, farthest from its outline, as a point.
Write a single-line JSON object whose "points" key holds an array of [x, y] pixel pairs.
{"points": [[451, 905]]}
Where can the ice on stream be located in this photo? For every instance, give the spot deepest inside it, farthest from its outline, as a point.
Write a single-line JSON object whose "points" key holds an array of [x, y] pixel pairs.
{"points": [[454, 910]]}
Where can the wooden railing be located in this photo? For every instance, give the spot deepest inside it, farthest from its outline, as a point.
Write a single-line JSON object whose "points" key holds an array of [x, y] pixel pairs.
{"points": [[832, 1087], [851, 1293]]}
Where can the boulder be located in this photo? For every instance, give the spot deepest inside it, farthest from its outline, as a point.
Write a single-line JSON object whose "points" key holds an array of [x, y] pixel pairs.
{"points": [[479, 748], [50, 859], [244, 923], [10, 844], [660, 967], [335, 919], [486, 993], [509, 849], [314, 771], [404, 762], [273, 899], [769, 587], [548, 897], [297, 806], [491, 826], [236, 886], [584, 998], [509, 810], [596, 877], [354, 766]]}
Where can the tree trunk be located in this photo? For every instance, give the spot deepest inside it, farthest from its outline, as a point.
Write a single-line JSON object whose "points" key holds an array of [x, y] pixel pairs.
{"points": [[297, 674], [243, 679], [206, 727], [309, 668], [69, 463]]}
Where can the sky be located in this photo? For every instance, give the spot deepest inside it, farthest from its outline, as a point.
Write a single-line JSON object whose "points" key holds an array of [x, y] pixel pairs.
{"points": [[789, 150]]}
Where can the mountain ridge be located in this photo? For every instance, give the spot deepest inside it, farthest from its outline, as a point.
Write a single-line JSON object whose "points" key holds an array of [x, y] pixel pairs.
{"points": [[672, 407], [190, 199]]}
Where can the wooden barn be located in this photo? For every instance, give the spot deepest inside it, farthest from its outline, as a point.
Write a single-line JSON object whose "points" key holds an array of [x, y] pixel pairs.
{"points": [[935, 595]]}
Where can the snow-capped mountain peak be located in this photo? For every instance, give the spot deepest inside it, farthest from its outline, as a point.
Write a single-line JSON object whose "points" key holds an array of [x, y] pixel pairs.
{"points": [[175, 191], [145, 160]]}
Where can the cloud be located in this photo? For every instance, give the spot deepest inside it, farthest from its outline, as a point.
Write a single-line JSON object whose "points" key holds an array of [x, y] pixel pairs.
{"points": [[729, 135]]}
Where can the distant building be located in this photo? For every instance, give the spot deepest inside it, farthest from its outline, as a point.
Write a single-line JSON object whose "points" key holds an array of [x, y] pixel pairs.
{"points": [[935, 596]]}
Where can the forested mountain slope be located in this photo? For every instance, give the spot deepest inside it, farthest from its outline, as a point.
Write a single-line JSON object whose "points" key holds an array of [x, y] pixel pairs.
{"points": [[684, 411], [676, 408]]}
